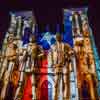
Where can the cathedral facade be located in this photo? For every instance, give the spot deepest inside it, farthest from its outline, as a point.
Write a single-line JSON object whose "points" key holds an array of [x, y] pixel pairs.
{"points": [[47, 65]]}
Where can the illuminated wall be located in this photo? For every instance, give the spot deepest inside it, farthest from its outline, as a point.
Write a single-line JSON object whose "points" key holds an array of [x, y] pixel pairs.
{"points": [[87, 60], [82, 74]]}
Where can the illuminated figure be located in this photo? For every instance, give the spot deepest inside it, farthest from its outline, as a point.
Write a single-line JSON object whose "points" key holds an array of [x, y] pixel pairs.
{"points": [[68, 70], [8, 63], [89, 71], [60, 59], [21, 59], [85, 61], [35, 53], [31, 65]]}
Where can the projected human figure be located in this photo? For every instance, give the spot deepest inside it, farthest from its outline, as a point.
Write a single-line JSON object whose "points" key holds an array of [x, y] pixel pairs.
{"points": [[60, 58], [33, 54], [9, 63]]}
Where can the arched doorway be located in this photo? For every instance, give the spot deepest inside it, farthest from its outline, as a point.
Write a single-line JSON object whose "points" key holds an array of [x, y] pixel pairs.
{"points": [[46, 91]]}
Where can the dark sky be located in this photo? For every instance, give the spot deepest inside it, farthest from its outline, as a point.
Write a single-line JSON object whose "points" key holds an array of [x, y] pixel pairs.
{"points": [[50, 12]]}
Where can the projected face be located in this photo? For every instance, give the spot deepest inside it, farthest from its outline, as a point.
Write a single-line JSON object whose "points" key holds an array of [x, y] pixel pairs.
{"points": [[10, 38], [87, 42]]}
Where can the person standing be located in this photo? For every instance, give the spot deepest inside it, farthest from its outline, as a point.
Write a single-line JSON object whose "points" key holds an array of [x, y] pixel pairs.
{"points": [[60, 59]]}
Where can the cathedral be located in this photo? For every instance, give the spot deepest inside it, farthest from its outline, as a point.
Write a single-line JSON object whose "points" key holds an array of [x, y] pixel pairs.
{"points": [[49, 65]]}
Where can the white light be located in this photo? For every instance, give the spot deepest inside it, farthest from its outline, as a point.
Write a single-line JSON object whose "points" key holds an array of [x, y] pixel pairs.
{"points": [[82, 18], [11, 30], [33, 28], [80, 12], [72, 12], [47, 37], [70, 18], [26, 23], [13, 18], [19, 17]]}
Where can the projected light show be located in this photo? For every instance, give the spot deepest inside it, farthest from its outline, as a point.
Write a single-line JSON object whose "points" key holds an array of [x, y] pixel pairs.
{"points": [[49, 65]]}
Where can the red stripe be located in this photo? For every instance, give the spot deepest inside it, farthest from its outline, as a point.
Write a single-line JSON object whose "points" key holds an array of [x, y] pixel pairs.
{"points": [[28, 90], [42, 91], [44, 81]]}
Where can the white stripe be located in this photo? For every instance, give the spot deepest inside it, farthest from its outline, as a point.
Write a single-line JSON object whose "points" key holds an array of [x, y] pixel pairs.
{"points": [[33, 87], [74, 89]]}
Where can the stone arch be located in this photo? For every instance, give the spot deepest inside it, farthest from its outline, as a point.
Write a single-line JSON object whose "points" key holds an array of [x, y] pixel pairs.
{"points": [[48, 86], [49, 79], [46, 83]]}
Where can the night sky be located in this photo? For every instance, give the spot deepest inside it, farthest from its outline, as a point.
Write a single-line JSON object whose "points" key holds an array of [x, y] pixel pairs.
{"points": [[51, 12]]}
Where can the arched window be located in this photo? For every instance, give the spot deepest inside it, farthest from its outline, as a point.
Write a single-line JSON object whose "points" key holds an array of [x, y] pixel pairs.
{"points": [[46, 91]]}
